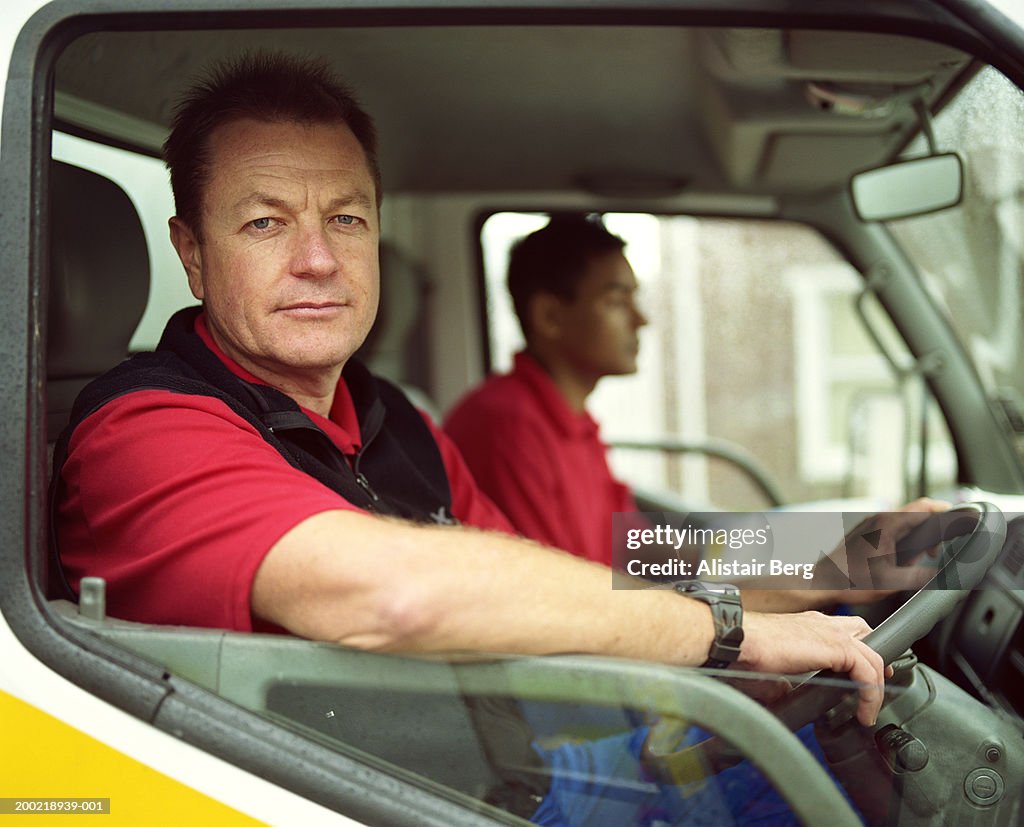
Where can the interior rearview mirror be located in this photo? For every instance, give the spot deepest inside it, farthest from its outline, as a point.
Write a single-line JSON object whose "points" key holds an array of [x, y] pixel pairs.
{"points": [[907, 188]]}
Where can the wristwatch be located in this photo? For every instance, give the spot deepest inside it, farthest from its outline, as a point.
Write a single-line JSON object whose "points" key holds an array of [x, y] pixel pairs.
{"points": [[726, 611]]}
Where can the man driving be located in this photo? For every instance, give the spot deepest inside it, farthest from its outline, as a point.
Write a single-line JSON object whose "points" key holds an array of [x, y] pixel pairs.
{"points": [[250, 475]]}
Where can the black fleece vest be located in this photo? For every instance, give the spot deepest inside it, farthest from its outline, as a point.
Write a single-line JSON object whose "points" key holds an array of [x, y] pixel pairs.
{"points": [[398, 470]]}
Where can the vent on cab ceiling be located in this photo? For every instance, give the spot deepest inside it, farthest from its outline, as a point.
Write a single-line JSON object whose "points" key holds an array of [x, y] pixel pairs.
{"points": [[861, 100]]}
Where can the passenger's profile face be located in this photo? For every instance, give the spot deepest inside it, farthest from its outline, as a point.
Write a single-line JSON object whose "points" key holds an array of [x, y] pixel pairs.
{"points": [[287, 268], [599, 328]]}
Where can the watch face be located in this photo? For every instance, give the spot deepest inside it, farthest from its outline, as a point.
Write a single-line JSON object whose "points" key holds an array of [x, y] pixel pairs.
{"points": [[725, 589]]}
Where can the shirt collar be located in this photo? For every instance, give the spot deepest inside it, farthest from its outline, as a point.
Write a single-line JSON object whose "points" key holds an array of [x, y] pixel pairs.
{"points": [[558, 410], [342, 426]]}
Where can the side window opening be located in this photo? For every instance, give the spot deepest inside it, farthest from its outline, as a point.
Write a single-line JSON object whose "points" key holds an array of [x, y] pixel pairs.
{"points": [[755, 341]]}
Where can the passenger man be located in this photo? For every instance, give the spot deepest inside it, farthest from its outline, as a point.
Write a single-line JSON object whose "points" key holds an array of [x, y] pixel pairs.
{"points": [[527, 436], [249, 475]]}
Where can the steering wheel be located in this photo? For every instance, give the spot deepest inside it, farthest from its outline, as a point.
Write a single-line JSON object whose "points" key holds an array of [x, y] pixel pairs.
{"points": [[973, 535]]}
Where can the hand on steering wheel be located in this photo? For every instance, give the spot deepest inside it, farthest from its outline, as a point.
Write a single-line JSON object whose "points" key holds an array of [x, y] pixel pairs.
{"points": [[973, 535]]}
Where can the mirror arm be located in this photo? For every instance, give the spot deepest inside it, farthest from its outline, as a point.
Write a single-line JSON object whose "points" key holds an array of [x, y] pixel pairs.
{"points": [[924, 117]]}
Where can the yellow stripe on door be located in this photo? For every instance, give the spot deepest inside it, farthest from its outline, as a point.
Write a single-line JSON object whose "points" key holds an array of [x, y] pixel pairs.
{"points": [[43, 757]]}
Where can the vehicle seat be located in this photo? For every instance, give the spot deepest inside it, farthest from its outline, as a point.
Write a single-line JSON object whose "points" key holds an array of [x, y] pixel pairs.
{"points": [[98, 285], [98, 288], [397, 346]]}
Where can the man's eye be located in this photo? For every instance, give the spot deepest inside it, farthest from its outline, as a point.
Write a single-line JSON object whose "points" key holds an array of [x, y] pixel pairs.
{"points": [[260, 224], [348, 220]]}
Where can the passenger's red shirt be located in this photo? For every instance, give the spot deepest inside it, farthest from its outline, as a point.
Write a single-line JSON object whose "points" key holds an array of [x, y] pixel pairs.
{"points": [[541, 462], [174, 499]]}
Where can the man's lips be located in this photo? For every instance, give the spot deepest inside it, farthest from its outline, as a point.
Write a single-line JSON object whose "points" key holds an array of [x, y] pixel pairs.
{"points": [[313, 309]]}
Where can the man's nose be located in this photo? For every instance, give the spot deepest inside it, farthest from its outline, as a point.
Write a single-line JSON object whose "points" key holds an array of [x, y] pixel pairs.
{"points": [[313, 256], [639, 317]]}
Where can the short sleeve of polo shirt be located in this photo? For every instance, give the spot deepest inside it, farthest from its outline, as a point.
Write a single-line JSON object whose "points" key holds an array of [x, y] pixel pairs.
{"points": [[175, 500]]}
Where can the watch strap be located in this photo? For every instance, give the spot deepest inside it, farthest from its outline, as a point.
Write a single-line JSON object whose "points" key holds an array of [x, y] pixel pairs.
{"points": [[727, 614]]}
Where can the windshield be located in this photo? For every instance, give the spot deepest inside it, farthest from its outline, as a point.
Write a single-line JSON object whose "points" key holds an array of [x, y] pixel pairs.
{"points": [[970, 256]]}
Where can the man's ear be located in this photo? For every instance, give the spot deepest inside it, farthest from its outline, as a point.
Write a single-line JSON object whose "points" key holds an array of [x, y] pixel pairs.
{"points": [[546, 311], [187, 246]]}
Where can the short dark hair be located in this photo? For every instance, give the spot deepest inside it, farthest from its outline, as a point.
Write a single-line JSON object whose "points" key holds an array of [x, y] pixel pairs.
{"points": [[554, 259], [271, 87]]}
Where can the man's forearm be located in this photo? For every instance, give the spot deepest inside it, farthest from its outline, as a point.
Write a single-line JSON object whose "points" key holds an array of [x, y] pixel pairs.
{"points": [[384, 584]]}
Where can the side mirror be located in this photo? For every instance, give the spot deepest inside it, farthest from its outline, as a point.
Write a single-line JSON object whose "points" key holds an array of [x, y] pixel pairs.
{"points": [[908, 188]]}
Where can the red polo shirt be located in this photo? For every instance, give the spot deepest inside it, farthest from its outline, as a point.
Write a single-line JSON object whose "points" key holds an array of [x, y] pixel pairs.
{"points": [[542, 463], [175, 500]]}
